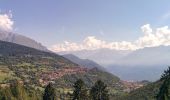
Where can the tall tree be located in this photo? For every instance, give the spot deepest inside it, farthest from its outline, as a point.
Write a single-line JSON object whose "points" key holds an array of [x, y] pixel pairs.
{"points": [[49, 92], [99, 91], [80, 91], [164, 93]]}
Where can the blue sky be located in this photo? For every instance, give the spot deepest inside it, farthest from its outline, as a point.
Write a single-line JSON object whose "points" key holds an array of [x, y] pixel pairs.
{"points": [[55, 21]]}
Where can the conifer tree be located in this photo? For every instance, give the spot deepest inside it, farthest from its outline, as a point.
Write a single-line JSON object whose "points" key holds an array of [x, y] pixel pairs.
{"points": [[99, 91], [80, 91], [164, 93], [49, 92]]}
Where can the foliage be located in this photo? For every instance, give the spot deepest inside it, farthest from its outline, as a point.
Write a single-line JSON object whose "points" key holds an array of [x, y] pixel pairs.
{"points": [[80, 91], [49, 93], [16, 91], [99, 91], [164, 92]]}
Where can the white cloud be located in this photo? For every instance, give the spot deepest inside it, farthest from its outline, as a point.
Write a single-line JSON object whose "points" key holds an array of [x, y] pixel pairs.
{"points": [[6, 22], [161, 36], [146, 29]]}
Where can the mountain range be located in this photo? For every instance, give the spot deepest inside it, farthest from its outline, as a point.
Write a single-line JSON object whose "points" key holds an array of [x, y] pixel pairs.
{"points": [[142, 64], [83, 62], [35, 68], [22, 40], [38, 68], [103, 57], [25, 41]]}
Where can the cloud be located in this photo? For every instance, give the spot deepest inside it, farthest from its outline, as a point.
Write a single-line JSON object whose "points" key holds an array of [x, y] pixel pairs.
{"points": [[160, 36], [146, 29], [6, 22]]}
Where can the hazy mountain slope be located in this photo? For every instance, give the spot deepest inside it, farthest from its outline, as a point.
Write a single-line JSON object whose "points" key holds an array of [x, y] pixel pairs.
{"points": [[103, 57], [142, 64], [138, 73], [143, 57], [147, 57], [83, 62], [22, 40]]}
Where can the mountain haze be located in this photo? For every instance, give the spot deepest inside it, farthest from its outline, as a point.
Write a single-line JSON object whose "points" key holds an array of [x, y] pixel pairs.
{"points": [[103, 57], [142, 64], [83, 62], [149, 56]]}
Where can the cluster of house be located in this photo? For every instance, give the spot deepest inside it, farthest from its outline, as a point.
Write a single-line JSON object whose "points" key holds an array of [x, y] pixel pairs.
{"points": [[129, 86], [50, 76]]}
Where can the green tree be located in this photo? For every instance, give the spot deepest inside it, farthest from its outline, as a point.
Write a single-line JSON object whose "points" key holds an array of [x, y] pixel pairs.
{"points": [[99, 91], [80, 91], [164, 93], [49, 92]]}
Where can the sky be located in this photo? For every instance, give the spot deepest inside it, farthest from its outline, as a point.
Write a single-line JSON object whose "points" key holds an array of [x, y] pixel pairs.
{"points": [[70, 25]]}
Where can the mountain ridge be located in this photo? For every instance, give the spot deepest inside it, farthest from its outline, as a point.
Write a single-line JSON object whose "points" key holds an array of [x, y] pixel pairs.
{"points": [[83, 62], [130, 65], [22, 40], [103, 56], [39, 67]]}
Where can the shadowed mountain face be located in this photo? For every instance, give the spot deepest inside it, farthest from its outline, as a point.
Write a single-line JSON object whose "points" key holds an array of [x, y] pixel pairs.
{"points": [[22, 40], [83, 62]]}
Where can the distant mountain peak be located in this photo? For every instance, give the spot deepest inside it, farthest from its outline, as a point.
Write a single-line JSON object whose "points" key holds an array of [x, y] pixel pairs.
{"points": [[22, 40]]}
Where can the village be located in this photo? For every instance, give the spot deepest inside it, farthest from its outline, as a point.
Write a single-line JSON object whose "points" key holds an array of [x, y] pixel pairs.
{"points": [[46, 77]]}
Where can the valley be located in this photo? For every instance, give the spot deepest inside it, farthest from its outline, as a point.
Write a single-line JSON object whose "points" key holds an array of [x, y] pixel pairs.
{"points": [[84, 50], [35, 69]]}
